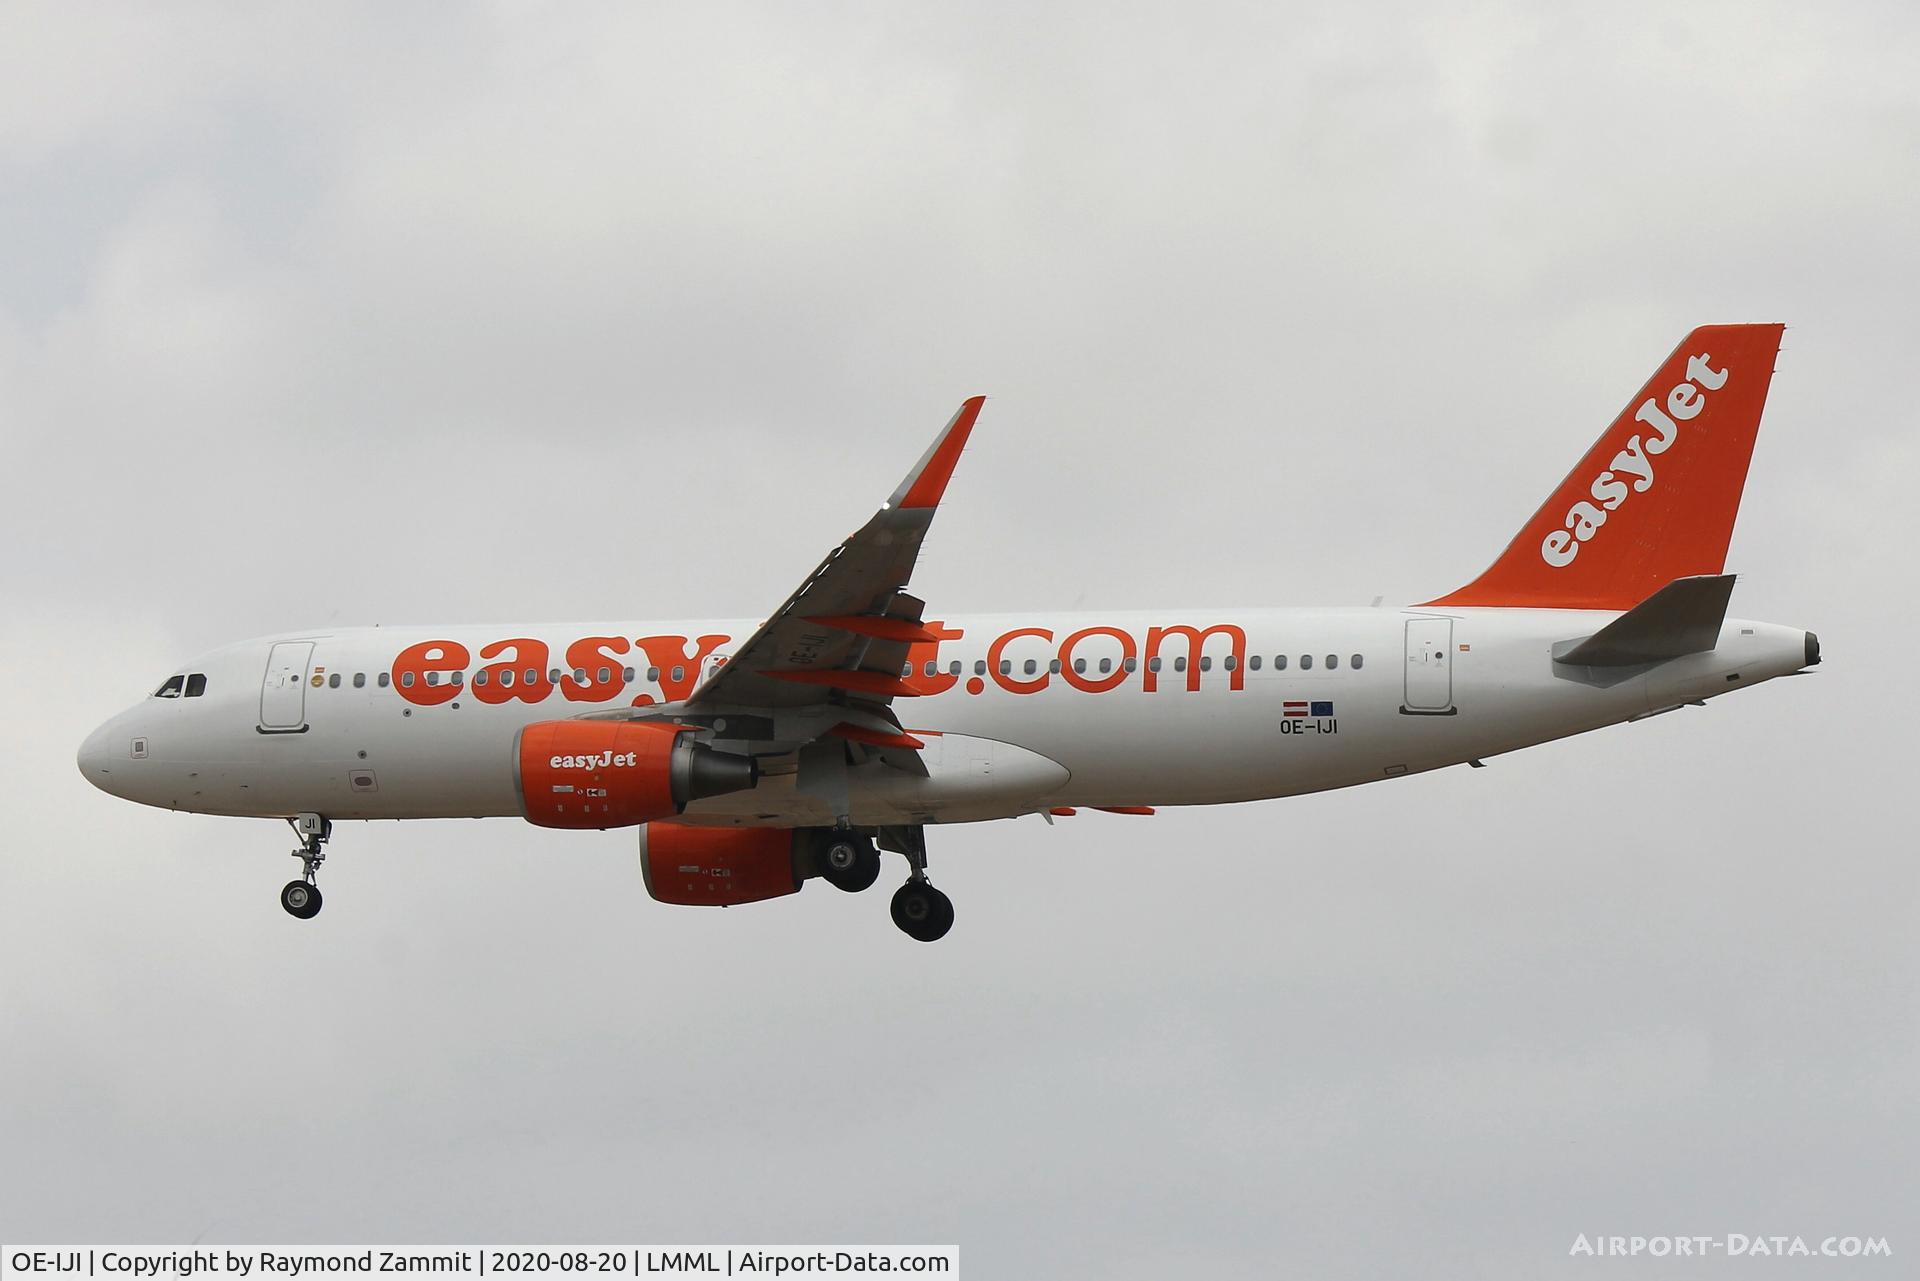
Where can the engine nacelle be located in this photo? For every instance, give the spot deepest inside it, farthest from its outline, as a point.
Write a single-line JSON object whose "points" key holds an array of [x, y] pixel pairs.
{"points": [[720, 866], [618, 773]]}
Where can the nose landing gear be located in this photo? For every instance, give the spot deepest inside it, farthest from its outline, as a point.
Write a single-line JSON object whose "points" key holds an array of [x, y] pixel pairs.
{"points": [[301, 898]]}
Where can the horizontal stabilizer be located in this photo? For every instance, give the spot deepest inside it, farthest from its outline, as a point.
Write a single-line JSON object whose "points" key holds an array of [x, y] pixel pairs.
{"points": [[1683, 617]]}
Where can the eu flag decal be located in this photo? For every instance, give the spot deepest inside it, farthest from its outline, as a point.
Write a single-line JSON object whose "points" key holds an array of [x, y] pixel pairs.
{"points": [[1323, 709]]}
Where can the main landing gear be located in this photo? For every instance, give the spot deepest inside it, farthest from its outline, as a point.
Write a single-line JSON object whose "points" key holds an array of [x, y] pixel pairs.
{"points": [[301, 898], [922, 912], [848, 860]]}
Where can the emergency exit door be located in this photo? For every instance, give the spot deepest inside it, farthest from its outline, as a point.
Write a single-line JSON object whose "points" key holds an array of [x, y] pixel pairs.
{"points": [[1429, 667]]}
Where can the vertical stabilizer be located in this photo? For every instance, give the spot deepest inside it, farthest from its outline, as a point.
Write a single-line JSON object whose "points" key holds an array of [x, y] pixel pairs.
{"points": [[1654, 499]]}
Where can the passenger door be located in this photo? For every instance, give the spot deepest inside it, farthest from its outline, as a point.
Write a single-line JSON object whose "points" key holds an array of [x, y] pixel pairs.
{"points": [[283, 693], [1429, 689]]}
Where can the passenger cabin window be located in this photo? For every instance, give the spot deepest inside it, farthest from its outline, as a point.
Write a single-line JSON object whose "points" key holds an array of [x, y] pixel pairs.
{"points": [[333, 682], [626, 674], [172, 688], [385, 680], [196, 684], [1333, 661], [359, 680], [1106, 665], [1356, 661], [1206, 663], [406, 679], [1279, 662], [480, 677], [1306, 662], [1254, 662], [1180, 664], [979, 667], [653, 673]]}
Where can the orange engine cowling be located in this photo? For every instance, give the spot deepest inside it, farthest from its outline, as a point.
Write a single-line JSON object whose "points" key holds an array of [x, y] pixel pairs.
{"points": [[719, 866], [618, 773]]}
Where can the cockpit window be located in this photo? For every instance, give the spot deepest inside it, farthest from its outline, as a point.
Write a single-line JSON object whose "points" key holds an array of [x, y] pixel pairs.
{"points": [[196, 684], [172, 688]]}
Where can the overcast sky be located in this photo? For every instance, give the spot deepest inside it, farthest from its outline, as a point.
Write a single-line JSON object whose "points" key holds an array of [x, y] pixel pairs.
{"points": [[324, 314]]}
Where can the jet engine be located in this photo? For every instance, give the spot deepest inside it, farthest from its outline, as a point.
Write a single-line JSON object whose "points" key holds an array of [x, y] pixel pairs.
{"points": [[618, 773], [720, 866]]}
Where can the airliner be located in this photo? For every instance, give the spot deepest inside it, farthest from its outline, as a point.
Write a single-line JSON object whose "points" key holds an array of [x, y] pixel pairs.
{"points": [[753, 757]]}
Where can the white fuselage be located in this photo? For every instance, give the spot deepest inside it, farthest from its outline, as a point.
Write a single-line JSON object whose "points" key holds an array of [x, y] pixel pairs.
{"points": [[1021, 713]]}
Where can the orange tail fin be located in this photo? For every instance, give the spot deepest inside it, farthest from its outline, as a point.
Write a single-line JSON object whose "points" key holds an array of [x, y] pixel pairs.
{"points": [[1654, 499]]}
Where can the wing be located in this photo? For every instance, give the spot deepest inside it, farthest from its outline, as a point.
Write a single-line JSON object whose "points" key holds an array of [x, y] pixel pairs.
{"points": [[840, 642]]}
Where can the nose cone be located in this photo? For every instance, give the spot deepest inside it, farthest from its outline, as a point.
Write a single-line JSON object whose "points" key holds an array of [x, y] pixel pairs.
{"points": [[1813, 650], [92, 758]]}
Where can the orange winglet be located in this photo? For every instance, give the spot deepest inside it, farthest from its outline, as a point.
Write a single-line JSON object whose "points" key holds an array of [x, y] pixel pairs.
{"points": [[860, 682], [929, 480], [879, 627], [874, 738], [1124, 809], [1063, 811]]}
